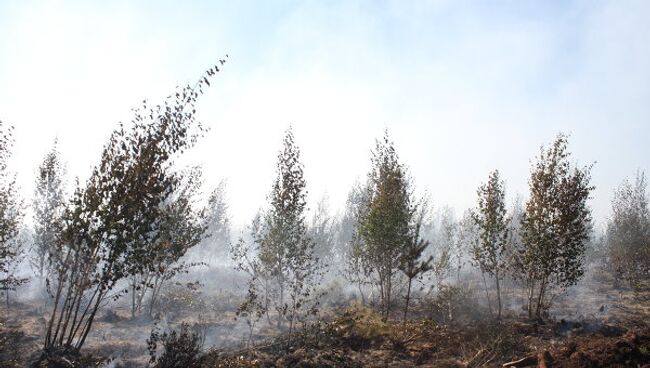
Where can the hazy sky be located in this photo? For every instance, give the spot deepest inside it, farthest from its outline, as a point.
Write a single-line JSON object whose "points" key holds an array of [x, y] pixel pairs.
{"points": [[463, 87]]}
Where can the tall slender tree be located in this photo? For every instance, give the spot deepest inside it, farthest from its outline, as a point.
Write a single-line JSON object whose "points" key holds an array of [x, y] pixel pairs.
{"points": [[412, 263], [321, 230], [628, 231], [11, 215], [466, 240], [215, 247], [281, 243], [349, 238], [386, 228], [445, 239], [49, 204], [491, 219], [555, 225]]}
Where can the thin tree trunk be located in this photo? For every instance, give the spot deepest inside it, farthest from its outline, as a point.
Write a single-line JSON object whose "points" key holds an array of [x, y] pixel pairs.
{"points": [[69, 295], [487, 294], [531, 293], [382, 294], [408, 297], [498, 295], [363, 297], [61, 315], [155, 292], [76, 306], [89, 323], [280, 307], [80, 320], [133, 297], [54, 310], [540, 299], [267, 302], [388, 296]]}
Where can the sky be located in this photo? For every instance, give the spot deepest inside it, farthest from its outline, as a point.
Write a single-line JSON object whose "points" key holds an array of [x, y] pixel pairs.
{"points": [[463, 87]]}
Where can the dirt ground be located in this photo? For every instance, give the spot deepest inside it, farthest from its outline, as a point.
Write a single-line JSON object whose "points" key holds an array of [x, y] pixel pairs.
{"points": [[355, 340], [591, 326], [115, 335]]}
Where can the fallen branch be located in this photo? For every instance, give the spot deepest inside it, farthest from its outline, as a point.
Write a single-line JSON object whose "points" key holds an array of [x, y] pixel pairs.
{"points": [[541, 360], [476, 356], [524, 362]]}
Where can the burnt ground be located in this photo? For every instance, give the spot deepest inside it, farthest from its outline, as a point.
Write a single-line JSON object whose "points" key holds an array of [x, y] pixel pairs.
{"points": [[357, 340], [117, 336], [593, 326]]}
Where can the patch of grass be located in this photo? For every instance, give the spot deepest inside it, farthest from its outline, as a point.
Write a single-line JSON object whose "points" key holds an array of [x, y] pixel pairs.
{"points": [[645, 350]]}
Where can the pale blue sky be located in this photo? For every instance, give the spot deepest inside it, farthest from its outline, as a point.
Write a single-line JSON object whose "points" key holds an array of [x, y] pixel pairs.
{"points": [[464, 87]]}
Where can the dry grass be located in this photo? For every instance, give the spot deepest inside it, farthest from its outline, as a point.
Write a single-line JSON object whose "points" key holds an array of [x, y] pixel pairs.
{"points": [[590, 317]]}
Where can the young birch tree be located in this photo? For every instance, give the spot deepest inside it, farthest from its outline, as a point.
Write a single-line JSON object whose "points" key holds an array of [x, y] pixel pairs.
{"points": [[115, 217], [214, 248], [283, 253], [628, 231], [444, 245], [555, 225], [182, 226], [386, 228], [350, 240], [466, 240], [49, 205], [491, 219], [321, 230], [11, 215]]}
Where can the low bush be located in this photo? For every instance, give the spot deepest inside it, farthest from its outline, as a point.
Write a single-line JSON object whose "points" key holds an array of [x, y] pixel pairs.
{"points": [[178, 348], [452, 304]]}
